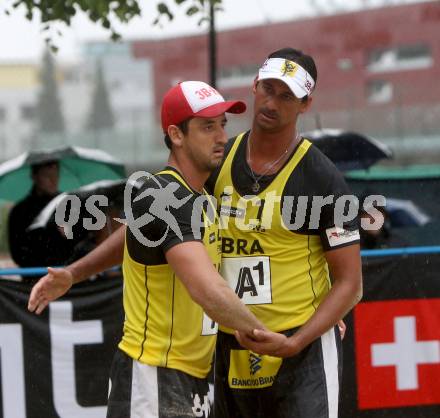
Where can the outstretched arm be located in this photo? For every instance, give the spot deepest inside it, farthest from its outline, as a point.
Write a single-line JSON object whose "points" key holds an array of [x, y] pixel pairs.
{"points": [[106, 255], [192, 265], [58, 281]]}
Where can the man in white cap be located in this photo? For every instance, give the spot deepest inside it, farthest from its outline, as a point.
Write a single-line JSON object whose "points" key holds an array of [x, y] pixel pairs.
{"points": [[170, 267], [295, 264]]}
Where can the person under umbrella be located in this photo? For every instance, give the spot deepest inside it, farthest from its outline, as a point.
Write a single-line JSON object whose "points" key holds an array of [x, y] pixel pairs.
{"points": [[380, 234], [43, 246]]}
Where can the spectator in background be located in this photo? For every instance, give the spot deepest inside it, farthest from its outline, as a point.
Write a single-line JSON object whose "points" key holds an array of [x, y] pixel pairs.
{"points": [[382, 235], [43, 246], [376, 237]]}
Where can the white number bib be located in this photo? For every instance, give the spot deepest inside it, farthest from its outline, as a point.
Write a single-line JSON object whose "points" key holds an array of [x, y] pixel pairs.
{"points": [[249, 277], [209, 327]]}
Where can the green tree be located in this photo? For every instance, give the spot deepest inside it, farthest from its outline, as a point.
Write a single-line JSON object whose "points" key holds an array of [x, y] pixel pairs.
{"points": [[103, 11], [101, 113], [49, 115]]}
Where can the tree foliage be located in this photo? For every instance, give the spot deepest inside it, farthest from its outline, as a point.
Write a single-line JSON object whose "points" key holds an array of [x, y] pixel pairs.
{"points": [[193, 8], [50, 117], [99, 11], [101, 114], [104, 12]]}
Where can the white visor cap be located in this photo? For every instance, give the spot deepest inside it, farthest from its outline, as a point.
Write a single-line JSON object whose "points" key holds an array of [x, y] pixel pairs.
{"points": [[296, 77]]}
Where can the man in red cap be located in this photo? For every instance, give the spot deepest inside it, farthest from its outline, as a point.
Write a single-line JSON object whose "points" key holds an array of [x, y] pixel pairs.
{"points": [[299, 280], [172, 287]]}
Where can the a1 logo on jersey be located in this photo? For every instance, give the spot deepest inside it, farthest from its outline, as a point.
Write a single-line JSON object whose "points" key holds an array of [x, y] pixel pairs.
{"points": [[398, 353], [249, 277]]}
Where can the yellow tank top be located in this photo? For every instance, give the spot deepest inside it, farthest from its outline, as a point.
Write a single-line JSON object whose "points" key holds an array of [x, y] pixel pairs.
{"points": [[163, 326], [281, 275]]}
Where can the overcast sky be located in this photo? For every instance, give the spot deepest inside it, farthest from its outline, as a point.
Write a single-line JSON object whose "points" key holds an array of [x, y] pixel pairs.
{"points": [[21, 40]]}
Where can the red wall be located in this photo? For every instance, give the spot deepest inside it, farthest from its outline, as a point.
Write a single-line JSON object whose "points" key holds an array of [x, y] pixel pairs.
{"points": [[327, 39]]}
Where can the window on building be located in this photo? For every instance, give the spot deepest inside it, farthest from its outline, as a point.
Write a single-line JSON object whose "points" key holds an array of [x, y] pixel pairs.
{"points": [[2, 114], [238, 76], [379, 91], [28, 112], [405, 57]]}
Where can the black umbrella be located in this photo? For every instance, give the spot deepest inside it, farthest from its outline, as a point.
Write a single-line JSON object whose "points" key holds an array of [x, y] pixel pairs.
{"points": [[86, 238], [349, 150]]}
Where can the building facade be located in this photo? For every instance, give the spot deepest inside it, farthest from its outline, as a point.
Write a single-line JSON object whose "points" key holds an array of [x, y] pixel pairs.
{"points": [[378, 69], [378, 72]]}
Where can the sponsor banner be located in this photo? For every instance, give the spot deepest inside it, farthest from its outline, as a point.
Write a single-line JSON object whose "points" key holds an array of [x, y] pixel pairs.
{"points": [[57, 364]]}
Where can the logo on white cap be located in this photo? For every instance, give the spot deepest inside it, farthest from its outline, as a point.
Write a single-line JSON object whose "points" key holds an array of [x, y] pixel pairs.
{"points": [[296, 77], [200, 95]]}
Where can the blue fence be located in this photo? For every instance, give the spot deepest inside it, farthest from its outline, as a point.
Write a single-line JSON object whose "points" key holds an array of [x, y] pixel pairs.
{"points": [[40, 271]]}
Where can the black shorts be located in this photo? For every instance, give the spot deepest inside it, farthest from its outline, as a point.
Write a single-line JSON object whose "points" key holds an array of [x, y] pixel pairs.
{"points": [[138, 390], [305, 386]]}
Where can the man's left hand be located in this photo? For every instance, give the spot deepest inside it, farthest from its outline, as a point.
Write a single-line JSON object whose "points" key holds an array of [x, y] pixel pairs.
{"points": [[267, 342]]}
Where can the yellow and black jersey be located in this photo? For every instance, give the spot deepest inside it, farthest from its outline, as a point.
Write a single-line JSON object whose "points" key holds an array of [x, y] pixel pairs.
{"points": [[273, 242], [163, 326]]}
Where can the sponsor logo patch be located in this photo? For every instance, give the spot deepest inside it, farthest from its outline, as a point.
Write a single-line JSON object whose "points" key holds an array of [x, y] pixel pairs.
{"points": [[338, 236], [248, 370], [232, 212], [289, 68]]}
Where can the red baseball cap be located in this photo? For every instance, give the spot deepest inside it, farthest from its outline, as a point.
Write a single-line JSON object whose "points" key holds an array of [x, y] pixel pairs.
{"points": [[195, 98]]}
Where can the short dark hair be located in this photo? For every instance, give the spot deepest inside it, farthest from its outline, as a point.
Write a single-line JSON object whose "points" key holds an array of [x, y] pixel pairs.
{"points": [[295, 55], [35, 168], [183, 126]]}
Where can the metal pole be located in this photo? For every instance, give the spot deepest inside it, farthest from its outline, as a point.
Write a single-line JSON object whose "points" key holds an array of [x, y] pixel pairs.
{"points": [[212, 46]]}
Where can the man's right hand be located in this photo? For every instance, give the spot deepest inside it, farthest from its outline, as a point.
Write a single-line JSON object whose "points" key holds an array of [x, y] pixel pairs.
{"points": [[50, 287]]}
